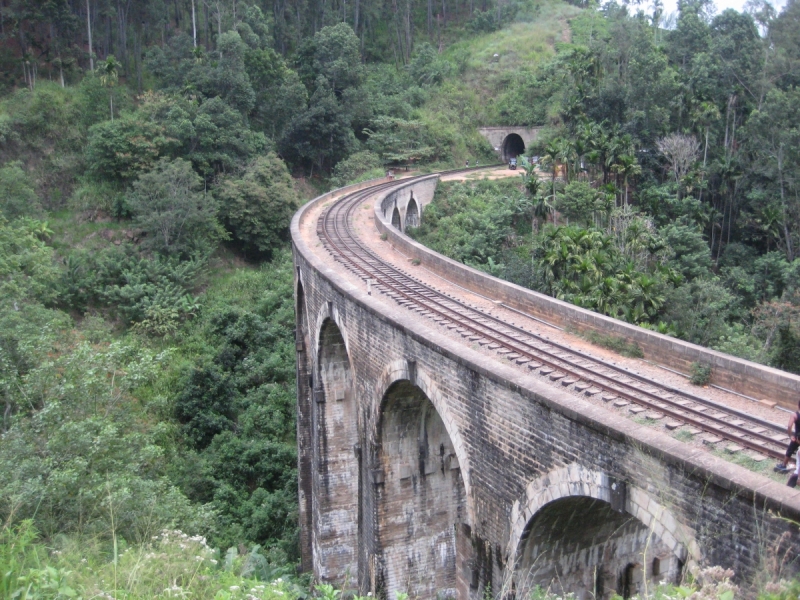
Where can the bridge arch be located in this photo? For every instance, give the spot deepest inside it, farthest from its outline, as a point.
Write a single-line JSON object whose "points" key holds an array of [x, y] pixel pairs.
{"points": [[421, 500], [401, 370], [513, 146], [396, 222], [594, 535], [336, 494], [412, 214]]}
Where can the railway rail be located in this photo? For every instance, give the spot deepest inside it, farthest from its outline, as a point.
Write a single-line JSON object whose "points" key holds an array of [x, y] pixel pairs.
{"points": [[559, 364]]}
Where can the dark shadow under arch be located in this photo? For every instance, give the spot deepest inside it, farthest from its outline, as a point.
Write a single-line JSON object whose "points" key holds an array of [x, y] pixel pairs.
{"points": [[421, 505], [581, 545], [412, 214], [396, 218], [513, 146]]}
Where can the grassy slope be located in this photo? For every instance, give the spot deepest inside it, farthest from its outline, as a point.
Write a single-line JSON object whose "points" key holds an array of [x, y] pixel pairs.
{"points": [[468, 99], [521, 47]]}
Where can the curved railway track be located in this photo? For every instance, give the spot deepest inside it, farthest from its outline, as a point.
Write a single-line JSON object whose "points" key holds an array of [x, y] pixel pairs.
{"points": [[559, 364]]}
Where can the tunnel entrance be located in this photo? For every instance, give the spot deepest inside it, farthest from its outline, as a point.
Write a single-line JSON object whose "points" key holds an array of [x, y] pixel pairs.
{"points": [[513, 146], [336, 493], [412, 214], [421, 505], [581, 545], [396, 219]]}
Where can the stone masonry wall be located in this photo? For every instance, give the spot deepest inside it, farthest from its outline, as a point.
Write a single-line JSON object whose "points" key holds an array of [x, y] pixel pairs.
{"points": [[518, 443]]}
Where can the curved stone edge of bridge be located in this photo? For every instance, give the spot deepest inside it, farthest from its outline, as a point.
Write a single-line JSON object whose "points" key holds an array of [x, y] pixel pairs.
{"points": [[764, 493], [740, 375]]}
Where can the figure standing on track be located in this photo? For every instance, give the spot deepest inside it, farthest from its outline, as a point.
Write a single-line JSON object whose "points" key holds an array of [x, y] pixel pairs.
{"points": [[793, 429], [466, 164]]}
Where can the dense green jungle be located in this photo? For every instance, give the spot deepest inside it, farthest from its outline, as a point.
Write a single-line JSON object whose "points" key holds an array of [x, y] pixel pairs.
{"points": [[152, 154]]}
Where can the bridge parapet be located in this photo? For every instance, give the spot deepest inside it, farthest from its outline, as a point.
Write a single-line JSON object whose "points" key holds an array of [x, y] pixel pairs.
{"points": [[760, 382]]}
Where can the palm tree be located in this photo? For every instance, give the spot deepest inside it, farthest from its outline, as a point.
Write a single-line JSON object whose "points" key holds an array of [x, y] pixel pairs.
{"points": [[627, 167], [566, 152], [108, 78], [541, 207], [770, 220], [550, 159]]}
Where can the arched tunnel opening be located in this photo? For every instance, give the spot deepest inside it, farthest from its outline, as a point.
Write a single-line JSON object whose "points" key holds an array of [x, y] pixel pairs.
{"points": [[581, 545], [421, 505], [336, 493], [513, 146]]}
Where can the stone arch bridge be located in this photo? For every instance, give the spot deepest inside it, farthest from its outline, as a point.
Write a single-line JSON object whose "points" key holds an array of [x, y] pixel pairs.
{"points": [[436, 461]]}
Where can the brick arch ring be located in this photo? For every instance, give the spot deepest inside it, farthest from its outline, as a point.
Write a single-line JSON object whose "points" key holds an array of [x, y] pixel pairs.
{"points": [[323, 315], [398, 371], [576, 480]]}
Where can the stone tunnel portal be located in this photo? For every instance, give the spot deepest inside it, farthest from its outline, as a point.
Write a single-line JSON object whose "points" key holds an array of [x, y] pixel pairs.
{"points": [[513, 146], [581, 545], [421, 504]]}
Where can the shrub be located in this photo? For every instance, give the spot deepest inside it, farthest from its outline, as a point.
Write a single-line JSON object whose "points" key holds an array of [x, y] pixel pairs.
{"points": [[154, 292], [701, 374], [258, 206], [169, 205], [17, 196], [357, 167]]}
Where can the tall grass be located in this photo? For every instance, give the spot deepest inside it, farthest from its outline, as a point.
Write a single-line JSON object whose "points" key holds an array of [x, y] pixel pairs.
{"points": [[171, 565]]}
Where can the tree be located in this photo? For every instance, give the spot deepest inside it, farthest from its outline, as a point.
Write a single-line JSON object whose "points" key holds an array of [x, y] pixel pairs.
{"points": [[357, 167], [258, 206], [168, 204], [121, 150], [579, 202], [227, 77], [109, 74], [627, 167], [334, 54], [691, 255], [773, 143], [550, 158], [399, 141], [321, 135], [426, 68], [681, 152]]}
